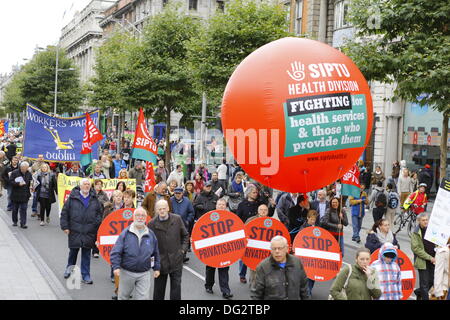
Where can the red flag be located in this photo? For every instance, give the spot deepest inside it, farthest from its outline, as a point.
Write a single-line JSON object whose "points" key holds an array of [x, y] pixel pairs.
{"points": [[91, 136], [150, 181], [144, 147]]}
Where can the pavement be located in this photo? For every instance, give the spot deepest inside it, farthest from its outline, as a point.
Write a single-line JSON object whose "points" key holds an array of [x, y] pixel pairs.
{"points": [[20, 278], [37, 256]]}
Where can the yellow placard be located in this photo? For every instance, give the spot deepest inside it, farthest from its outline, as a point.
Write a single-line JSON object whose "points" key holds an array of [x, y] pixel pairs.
{"points": [[67, 183]]}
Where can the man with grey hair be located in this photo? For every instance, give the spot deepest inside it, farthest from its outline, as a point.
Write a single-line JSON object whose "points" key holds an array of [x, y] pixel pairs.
{"points": [[321, 205], [424, 254], [131, 258], [173, 243], [20, 181], [280, 276], [80, 219]]}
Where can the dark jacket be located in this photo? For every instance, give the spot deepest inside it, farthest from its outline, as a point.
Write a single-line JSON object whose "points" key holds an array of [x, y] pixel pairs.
{"points": [[373, 243], [19, 193], [5, 176], [274, 283], [52, 190], [331, 220], [426, 176], [284, 204], [3, 165], [204, 202], [11, 151], [173, 242], [247, 209], [184, 209], [82, 222], [129, 255], [315, 205], [216, 185]]}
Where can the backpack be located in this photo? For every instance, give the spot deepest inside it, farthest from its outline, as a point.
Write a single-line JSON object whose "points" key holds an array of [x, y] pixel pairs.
{"points": [[393, 200], [381, 200]]}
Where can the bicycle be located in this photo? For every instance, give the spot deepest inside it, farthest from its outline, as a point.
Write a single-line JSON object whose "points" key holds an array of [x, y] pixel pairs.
{"points": [[409, 218]]}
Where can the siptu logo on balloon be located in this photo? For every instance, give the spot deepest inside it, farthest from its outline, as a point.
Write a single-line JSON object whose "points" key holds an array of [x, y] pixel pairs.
{"points": [[298, 71]]}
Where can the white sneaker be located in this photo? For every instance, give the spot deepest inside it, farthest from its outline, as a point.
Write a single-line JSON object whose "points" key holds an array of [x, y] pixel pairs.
{"points": [[42, 223]]}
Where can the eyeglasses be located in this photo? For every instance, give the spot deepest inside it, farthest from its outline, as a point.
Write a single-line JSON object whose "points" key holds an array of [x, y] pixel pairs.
{"points": [[277, 248]]}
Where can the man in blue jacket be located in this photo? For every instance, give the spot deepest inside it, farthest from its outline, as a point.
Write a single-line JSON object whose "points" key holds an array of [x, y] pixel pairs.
{"points": [[184, 208], [131, 258]]}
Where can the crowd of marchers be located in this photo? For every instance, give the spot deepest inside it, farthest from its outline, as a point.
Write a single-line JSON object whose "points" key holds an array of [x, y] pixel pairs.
{"points": [[181, 197]]}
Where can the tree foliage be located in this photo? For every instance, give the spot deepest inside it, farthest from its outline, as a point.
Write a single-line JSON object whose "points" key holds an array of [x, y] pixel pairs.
{"points": [[114, 71], [231, 36], [406, 41], [35, 83]]}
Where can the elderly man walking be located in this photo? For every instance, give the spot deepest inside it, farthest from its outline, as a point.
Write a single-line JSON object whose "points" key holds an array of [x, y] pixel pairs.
{"points": [[131, 258], [173, 242], [20, 181], [280, 276], [80, 219]]}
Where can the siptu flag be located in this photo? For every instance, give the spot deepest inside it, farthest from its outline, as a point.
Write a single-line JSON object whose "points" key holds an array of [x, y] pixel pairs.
{"points": [[91, 136], [144, 148], [350, 183], [150, 181]]}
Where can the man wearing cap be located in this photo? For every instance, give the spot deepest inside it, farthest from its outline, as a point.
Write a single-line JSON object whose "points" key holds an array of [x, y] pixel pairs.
{"points": [[205, 201], [182, 207], [389, 273]]}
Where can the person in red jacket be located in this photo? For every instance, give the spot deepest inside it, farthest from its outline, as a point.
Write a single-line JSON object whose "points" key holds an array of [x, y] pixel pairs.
{"points": [[419, 199]]}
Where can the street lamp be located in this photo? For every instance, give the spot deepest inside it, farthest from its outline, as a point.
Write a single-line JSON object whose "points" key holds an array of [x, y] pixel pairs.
{"points": [[56, 78]]}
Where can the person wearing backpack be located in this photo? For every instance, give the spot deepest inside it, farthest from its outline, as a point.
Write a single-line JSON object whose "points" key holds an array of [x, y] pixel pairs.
{"points": [[378, 201], [393, 201]]}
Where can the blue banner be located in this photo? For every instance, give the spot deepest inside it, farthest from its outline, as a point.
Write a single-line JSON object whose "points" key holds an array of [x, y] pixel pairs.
{"points": [[58, 139]]}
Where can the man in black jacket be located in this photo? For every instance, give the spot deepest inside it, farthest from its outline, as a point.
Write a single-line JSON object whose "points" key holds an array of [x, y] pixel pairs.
{"points": [[280, 276], [80, 219], [173, 242], [20, 181], [205, 201], [6, 174]]}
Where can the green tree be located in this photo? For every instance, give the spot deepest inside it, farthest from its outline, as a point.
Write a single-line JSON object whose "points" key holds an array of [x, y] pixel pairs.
{"points": [[114, 71], [406, 42], [35, 83], [161, 80], [228, 38]]}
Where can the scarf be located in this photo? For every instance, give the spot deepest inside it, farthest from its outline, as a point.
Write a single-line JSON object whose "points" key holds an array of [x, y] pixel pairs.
{"points": [[237, 187], [385, 238]]}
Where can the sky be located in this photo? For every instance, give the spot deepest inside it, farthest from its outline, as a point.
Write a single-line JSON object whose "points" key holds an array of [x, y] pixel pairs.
{"points": [[25, 24]]}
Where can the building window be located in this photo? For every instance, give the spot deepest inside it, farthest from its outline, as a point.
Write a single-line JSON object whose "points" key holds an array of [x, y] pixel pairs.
{"points": [[193, 5], [340, 14], [298, 16], [220, 6]]}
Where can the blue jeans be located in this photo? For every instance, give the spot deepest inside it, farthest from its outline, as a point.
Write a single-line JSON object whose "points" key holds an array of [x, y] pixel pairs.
{"points": [[85, 260], [341, 243], [242, 269], [22, 208], [357, 223], [35, 203], [310, 286]]}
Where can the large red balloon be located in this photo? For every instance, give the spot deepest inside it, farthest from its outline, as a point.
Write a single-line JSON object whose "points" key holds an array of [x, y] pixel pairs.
{"points": [[297, 114]]}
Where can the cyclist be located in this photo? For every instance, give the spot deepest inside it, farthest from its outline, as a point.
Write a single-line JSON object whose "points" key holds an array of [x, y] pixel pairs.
{"points": [[417, 200]]}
